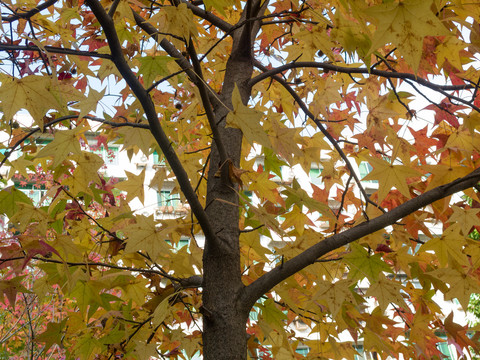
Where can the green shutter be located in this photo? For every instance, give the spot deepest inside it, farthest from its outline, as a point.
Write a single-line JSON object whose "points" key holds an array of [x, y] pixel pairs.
{"points": [[314, 175], [302, 350], [445, 350], [165, 198], [364, 169]]}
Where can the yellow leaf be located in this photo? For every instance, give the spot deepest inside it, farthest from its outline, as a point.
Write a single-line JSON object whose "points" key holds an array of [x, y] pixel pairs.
{"points": [[264, 187], [33, 93], [387, 291], [312, 40], [283, 140], [146, 236], [180, 21], [153, 66], [335, 294], [137, 138], [405, 24], [26, 215], [64, 143], [124, 11], [390, 176], [448, 246], [247, 120], [90, 103], [465, 218], [133, 186], [158, 179], [461, 285], [144, 350], [362, 264], [21, 165], [443, 174], [296, 219], [219, 5], [84, 173]]}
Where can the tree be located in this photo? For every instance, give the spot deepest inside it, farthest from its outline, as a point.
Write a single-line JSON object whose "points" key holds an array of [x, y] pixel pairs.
{"points": [[206, 84]]}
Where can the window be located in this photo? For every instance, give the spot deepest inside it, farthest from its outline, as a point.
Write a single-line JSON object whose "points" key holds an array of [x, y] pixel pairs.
{"points": [[169, 203], [253, 314], [315, 176], [364, 168], [181, 243], [302, 350], [34, 192], [360, 351], [445, 350], [109, 156], [43, 141], [157, 159], [165, 198]]}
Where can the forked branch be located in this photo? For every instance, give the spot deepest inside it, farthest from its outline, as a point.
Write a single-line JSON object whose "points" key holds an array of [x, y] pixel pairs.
{"points": [[149, 108], [324, 131]]}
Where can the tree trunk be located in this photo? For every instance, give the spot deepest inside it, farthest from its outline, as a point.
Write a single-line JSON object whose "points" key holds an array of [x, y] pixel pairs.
{"points": [[224, 317]]}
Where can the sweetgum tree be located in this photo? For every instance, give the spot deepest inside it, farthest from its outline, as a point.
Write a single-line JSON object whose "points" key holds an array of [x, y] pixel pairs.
{"points": [[207, 84]]}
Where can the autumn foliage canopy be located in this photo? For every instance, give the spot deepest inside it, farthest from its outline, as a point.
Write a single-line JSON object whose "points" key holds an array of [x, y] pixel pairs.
{"points": [[229, 94]]}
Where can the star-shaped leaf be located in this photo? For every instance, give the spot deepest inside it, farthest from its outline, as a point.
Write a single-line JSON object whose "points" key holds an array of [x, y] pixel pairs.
{"points": [[90, 103], [405, 24], [153, 66], [31, 93], [64, 143], [53, 334], [9, 198], [387, 291], [147, 236], [85, 172], [466, 218], [389, 176], [219, 5], [133, 186], [448, 246], [10, 288], [247, 120], [136, 138], [362, 264]]}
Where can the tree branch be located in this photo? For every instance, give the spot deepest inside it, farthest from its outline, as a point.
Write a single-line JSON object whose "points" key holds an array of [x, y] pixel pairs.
{"points": [[206, 103], [166, 45], [349, 70], [207, 15], [324, 131], [149, 108], [63, 118], [173, 52], [54, 49], [266, 282], [29, 13], [192, 281]]}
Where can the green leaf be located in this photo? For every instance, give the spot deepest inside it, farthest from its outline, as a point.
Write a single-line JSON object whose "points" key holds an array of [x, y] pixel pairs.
{"points": [[272, 314], [53, 334], [9, 198], [219, 5], [247, 120], [64, 143], [362, 264], [153, 66]]}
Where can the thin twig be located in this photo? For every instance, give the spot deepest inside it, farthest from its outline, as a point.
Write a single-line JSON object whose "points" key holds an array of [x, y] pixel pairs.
{"points": [[54, 49], [28, 14]]}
